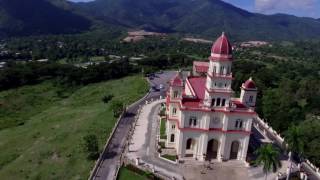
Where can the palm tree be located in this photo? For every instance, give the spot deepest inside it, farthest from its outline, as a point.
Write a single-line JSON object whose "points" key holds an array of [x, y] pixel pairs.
{"points": [[295, 139], [268, 157]]}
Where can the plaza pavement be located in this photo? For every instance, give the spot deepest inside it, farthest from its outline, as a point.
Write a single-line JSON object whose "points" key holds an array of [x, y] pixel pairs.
{"points": [[143, 146]]}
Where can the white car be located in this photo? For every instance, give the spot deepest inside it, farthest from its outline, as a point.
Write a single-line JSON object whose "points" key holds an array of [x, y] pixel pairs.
{"points": [[161, 86]]}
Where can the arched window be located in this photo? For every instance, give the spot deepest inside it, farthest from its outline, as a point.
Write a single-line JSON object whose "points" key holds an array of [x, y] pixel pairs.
{"points": [[214, 70], [172, 138], [223, 102], [213, 101], [193, 121], [251, 99], [218, 101], [174, 111], [175, 94], [240, 124]]}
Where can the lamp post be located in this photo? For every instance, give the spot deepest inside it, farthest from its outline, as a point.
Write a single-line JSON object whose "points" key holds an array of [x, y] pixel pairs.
{"points": [[289, 166]]}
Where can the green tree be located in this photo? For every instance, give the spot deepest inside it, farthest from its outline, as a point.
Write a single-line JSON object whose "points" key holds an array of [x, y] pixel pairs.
{"points": [[91, 146], [295, 139], [268, 157], [117, 108]]}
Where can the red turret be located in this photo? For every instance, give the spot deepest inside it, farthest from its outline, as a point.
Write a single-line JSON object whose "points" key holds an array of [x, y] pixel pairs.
{"points": [[249, 84]]}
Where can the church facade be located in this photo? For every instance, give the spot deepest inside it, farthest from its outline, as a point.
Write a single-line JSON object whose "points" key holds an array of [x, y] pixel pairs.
{"points": [[204, 119]]}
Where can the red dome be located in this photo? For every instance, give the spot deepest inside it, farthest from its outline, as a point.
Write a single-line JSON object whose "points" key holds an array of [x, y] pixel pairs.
{"points": [[249, 84], [222, 46]]}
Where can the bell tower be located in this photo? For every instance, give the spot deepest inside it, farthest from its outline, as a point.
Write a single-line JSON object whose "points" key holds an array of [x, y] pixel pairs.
{"points": [[219, 76], [249, 93]]}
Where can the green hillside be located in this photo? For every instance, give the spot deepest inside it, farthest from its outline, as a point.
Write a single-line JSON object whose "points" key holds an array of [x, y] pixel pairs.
{"points": [[206, 18], [34, 17], [201, 17], [48, 144]]}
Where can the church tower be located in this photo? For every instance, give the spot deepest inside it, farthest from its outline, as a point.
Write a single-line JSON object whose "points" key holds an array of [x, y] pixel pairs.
{"points": [[249, 93], [219, 76]]}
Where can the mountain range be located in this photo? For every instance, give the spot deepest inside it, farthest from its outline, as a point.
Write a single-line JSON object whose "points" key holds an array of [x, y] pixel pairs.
{"points": [[205, 18]]}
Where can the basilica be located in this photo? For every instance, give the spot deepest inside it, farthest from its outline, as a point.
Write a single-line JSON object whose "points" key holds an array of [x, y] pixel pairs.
{"points": [[204, 119]]}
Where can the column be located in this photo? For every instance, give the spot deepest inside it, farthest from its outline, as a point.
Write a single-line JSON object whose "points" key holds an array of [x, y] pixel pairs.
{"points": [[222, 146], [182, 149], [203, 148]]}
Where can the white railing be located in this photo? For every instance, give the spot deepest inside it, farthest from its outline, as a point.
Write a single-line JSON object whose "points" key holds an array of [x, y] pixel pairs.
{"points": [[276, 137]]}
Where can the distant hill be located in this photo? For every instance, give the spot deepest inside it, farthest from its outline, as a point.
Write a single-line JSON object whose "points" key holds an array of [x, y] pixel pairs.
{"points": [[33, 17], [202, 17], [206, 18]]}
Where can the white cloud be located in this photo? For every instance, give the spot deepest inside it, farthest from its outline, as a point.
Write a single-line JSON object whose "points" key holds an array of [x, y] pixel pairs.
{"points": [[272, 6]]}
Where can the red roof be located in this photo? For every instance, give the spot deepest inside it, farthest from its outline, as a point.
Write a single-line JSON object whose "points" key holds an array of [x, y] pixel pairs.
{"points": [[222, 46], [249, 84], [238, 104], [198, 86], [177, 80], [200, 66]]}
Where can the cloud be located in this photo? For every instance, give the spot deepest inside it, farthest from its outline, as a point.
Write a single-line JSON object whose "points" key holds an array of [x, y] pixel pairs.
{"points": [[272, 6]]}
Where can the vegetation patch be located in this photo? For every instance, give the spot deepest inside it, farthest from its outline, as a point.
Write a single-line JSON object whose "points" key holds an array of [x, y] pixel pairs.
{"points": [[59, 137], [163, 134], [170, 157], [131, 172]]}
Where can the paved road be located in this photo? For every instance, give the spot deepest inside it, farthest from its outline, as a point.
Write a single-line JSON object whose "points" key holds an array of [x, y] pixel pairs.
{"points": [[111, 156]]}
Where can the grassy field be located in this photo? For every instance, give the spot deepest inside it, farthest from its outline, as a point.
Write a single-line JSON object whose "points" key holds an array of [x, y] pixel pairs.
{"points": [[126, 174], [42, 127]]}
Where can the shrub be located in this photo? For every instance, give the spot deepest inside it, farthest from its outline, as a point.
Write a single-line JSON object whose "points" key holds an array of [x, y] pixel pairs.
{"points": [[116, 107], [107, 98], [91, 146]]}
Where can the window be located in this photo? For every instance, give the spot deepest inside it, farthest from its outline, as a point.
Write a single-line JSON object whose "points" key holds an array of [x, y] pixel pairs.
{"points": [[218, 101], [213, 101], [221, 70], [174, 111], [223, 102], [193, 121], [172, 138], [225, 85], [214, 69], [173, 126], [175, 94], [251, 99], [239, 123]]}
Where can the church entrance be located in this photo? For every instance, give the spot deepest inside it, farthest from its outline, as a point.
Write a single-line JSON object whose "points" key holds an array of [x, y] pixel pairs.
{"points": [[212, 149], [234, 150], [190, 147]]}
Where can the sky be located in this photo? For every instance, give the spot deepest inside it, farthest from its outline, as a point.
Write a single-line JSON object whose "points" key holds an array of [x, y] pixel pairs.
{"points": [[302, 8]]}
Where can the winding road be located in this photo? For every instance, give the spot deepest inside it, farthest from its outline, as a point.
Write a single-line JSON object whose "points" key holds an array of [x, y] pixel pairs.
{"points": [[108, 165]]}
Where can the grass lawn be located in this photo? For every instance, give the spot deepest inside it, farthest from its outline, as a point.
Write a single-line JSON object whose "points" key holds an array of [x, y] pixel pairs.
{"points": [[163, 129], [170, 157], [126, 174], [42, 127]]}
